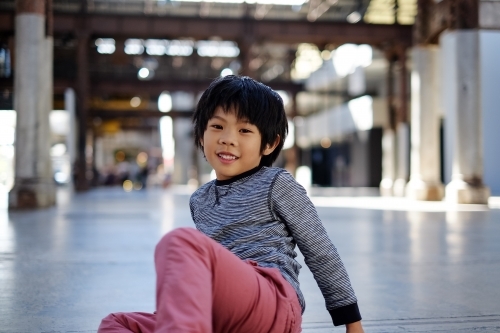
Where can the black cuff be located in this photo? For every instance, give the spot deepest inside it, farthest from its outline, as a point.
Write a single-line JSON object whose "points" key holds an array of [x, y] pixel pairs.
{"points": [[345, 314]]}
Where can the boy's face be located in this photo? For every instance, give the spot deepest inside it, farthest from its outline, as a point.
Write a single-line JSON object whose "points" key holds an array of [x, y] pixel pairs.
{"points": [[232, 145]]}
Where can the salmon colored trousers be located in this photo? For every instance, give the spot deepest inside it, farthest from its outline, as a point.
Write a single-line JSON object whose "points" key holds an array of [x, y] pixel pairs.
{"points": [[202, 287]]}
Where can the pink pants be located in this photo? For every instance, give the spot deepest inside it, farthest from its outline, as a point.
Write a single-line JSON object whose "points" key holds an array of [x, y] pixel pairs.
{"points": [[202, 287]]}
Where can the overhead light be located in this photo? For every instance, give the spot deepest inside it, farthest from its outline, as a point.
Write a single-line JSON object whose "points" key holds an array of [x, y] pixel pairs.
{"points": [[155, 47], [134, 46], [135, 102], [182, 48], [215, 48], [105, 45], [354, 17], [143, 73], [226, 72], [326, 142], [165, 102]]}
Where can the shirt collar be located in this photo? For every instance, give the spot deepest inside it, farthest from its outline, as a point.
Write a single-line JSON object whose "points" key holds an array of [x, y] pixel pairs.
{"points": [[238, 177]]}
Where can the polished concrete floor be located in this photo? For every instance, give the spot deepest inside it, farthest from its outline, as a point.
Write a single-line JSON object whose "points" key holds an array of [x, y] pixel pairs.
{"points": [[415, 267]]}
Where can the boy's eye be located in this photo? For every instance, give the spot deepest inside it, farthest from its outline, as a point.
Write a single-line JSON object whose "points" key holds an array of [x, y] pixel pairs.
{"points": [[216, 126], [244, 130]]}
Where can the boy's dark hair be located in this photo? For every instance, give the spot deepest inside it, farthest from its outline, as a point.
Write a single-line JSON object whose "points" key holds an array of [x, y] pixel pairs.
{"points": [[252, 101]]}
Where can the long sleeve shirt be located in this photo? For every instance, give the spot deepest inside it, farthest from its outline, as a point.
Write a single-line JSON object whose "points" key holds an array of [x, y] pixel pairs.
{"points": [[262, 215]]}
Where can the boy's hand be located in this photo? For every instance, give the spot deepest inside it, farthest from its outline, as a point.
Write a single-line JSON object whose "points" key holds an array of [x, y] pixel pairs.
{"points": [[354, 327]]}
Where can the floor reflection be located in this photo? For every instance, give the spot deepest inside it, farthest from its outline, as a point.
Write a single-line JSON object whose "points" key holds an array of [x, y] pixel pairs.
{"points": [[64, 268]]}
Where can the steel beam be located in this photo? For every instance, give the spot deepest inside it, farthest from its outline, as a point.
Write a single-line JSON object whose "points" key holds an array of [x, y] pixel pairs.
{"points": [[281, 31], [111, 114], [435, 17]]}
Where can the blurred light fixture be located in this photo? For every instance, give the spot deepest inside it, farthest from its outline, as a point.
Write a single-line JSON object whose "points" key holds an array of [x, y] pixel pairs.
{"points": [[128, 185], [215, 48], [226, 72], [135, 102], [354, 17], [180, 48], [349, 56], [105, 45], [134, 46], [308, 59], [326, 143], [155, 47], [143, 73], [142, 158], [264, 2], [57, 150], [165, 102]]}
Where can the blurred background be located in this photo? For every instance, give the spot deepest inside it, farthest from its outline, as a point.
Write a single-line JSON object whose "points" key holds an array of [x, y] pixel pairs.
{"points": [[391, 97]]}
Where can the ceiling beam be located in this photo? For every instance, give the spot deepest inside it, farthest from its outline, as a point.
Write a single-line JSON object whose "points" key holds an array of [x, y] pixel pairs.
{"points": [[100, 87], [169, 27], [112, 114]]}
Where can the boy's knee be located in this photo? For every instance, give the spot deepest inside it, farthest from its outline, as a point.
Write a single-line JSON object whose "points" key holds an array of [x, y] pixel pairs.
{"points": [[109, 324]]}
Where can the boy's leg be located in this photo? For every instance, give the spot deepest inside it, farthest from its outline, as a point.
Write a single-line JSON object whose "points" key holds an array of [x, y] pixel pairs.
{"points": [[203, 287], [135, 322]]}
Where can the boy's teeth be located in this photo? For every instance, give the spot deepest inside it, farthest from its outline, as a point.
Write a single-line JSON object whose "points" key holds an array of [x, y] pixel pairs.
{"points": [[227, 157]]}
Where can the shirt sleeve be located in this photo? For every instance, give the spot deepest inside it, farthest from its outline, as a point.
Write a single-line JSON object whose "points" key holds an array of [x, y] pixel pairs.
{"points": [[289, 201]]}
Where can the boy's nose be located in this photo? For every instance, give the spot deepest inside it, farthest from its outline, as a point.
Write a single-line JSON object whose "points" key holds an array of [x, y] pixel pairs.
{"points": [[227, 139]]}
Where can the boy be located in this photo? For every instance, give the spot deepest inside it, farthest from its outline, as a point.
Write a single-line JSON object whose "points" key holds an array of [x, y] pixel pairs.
{"points": [[243, 276]]}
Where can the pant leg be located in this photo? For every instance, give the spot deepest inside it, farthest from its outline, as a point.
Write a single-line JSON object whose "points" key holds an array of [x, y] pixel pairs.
{"points": [[203, 287], [135, 322]]}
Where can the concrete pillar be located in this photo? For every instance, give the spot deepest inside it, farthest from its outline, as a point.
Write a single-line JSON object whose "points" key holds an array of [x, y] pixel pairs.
{"points": [[389, 136], [402, 129], [464, 116], [82, 90], [183, 160], [388, 162], [402, 168], [34, 186], [490, 81], [70, 106], [425, 183]]}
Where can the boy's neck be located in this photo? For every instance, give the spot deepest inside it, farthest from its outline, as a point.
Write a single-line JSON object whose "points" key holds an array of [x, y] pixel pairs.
{"points": [[238, 177]]}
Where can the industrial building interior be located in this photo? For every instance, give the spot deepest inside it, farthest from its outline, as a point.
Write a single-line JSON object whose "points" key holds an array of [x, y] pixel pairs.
{"points": [[393, 119]]}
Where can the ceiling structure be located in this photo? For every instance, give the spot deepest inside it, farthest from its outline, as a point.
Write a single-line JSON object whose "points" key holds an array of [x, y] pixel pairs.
{"points": [[267, 34]]}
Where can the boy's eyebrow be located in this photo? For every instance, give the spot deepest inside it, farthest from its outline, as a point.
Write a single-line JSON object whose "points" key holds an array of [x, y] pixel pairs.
{"points": [[218, 117], [246, 121]]}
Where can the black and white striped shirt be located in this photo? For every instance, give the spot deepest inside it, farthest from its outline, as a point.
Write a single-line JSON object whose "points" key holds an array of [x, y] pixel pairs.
{"points": [[261, 215]]}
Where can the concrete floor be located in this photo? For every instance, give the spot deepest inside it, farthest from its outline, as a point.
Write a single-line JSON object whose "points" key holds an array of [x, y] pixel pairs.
{"points": [[415, 267]]}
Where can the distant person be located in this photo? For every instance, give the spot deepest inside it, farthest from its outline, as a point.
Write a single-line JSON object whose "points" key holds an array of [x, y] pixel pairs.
{"points": [[238, 272]]}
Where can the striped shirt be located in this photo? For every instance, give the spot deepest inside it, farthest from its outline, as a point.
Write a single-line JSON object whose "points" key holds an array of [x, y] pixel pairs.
{"points": [[261, 215]]}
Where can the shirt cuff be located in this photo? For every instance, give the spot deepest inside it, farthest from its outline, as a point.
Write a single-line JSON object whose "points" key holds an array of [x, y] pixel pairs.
{"points": [[345, 315]]}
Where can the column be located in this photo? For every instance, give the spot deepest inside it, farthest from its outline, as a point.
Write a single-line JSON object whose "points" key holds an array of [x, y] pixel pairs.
{"points": [[463, 113], [70, 106], [402, 129], [34, 186], [388, 162], [425, 183], [389, 137], [82, 89]]}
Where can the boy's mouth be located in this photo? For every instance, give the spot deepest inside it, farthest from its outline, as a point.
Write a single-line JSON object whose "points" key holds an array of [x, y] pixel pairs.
{"points": [[227, 157]]}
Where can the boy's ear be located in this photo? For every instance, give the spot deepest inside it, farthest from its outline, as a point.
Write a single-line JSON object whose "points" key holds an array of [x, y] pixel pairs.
{"points": [[270, 148]]}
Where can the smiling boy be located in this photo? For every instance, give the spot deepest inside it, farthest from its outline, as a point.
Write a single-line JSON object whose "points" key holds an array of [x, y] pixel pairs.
{"points": [[238, 272]]}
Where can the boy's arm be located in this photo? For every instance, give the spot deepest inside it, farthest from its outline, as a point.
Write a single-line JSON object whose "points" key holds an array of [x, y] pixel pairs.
{"points": [[289, 201]]}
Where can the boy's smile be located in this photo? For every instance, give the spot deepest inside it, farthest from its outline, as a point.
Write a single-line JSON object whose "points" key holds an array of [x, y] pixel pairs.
{"points": [[232, 145]]}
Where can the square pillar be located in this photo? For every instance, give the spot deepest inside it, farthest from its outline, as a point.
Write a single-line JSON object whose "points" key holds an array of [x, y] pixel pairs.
{"points": [[425, 183], [464, 117]]}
